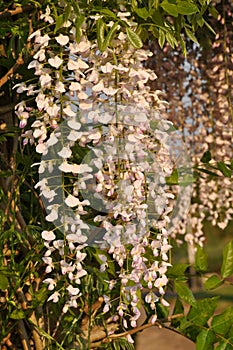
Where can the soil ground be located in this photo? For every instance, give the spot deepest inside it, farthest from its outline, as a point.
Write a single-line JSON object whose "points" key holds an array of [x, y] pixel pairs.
{"points": [[162, 339]]}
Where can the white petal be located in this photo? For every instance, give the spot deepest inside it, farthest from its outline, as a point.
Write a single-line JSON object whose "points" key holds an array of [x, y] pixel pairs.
{"points": [[60, 87], [65, 167], [42, 148], [62, 39], [74, 135], [52, 140], [73, 124], [110, 91], [55, 61], [65, 152], [75, 86], [105, 118], [52, 216], [99, 87], [72, 290], [68, 111], [82, 64], [48, 235], [83, 168], [85, 105], [72, 201]]}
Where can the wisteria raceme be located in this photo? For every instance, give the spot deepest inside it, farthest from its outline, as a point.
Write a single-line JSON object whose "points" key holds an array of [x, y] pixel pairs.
{"points": [[100, 102], [200, 103]]}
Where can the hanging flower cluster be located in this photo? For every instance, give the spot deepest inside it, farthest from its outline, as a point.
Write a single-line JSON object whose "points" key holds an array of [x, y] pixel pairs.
{"points": [[200, 96], [106, 155]]}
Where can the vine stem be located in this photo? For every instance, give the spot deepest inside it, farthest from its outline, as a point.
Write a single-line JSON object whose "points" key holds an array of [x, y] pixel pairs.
{"points": [[12, 70]]}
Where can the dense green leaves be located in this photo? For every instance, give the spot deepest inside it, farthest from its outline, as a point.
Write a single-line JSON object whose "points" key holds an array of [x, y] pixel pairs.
{"points": [[203, 309]]}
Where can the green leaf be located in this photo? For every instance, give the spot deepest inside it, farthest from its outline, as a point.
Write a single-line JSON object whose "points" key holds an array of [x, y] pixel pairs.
{"points": [[75, 7], [109, 36], [162, 37], [223, 322], [116, 345], [171, 39], [142, 12], [205, 340], [186, 8], [59, 23], [67, 12], [173, 178], [17, 315], [202, 311], [209, 27], [3, 282], [162, 311], [134, 39], [177, 270], [224, 345], [206, 171], [213, 11], [183, 45], [78, 24], [206, 157], [227, 264], [224, 169], [201, 260], [157, 18], [200, 20], [108, 13], [153, 4], [212, 282], [170, 8], [100, 26], [184, 293], [191, 35]]}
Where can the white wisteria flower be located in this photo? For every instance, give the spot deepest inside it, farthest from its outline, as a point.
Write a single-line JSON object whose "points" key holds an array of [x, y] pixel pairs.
{"points": [[60, 87], [65, 152], [55, 62], [52, 216], [54, 297], [48, 235], [73, 291], [62, 39], [45, 80], [69, 112], [77, 65], [73, 124], [46, 16], [72, 201]]}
